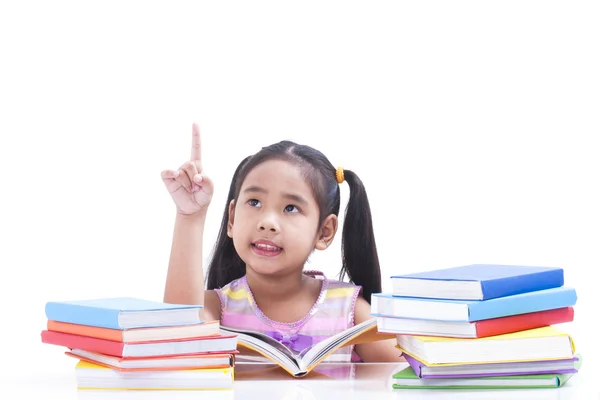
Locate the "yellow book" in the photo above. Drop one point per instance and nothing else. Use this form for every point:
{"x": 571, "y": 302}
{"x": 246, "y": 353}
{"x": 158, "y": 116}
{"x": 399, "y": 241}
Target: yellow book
{"x": 546, "y": 343}
{"x": 96, "y": 377}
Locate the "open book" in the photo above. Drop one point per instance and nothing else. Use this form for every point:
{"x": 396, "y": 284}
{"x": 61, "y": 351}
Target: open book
{"x": 298, "y": 365}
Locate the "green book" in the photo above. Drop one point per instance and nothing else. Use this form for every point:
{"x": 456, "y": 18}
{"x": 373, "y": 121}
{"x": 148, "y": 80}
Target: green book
{"x": 407, "y": 379}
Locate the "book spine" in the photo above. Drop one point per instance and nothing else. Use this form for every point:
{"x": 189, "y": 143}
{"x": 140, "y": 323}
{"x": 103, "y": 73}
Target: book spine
{"x": 415, "y": 364}
{"x": 522, "y": 284}
{"x": 83, "y": 315}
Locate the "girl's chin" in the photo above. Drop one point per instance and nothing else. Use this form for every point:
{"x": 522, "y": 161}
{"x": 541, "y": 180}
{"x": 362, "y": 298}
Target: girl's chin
{"x": 268, "y": 268}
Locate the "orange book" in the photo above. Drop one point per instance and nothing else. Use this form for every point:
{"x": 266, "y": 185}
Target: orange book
{"x": 138, "y": 335}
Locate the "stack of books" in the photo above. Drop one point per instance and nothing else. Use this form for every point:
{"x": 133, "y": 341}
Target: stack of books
{"x": 130, "y": 343}
{"x": 481, "y": 326}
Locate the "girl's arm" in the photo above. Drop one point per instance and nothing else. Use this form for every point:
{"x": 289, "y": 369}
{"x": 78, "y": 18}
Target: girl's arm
{"x": 380, "y": 351}
{"x": 185, "y": 276}
{"x": 191, "y": 191}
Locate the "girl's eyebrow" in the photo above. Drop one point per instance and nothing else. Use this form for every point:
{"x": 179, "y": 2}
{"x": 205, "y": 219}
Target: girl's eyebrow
{"x": 295, "y": 198}
{"x": 255, "y": 189}
{"x": 292, "y": 196}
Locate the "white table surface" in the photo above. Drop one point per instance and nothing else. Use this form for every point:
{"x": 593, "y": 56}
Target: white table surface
{"x": 267, "y": 382}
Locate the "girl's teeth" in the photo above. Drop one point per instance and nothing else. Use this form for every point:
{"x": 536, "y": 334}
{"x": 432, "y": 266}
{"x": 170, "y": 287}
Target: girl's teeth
{"x": 266, "y": 246}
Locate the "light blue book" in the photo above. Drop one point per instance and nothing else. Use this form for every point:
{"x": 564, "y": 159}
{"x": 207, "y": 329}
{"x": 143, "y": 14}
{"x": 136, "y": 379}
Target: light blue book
{"x": 388, "y": 305}
{"x": 123, "y": 313}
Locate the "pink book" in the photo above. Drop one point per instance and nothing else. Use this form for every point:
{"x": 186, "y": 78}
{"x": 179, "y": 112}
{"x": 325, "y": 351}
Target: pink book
{"x": 207, "y": 344}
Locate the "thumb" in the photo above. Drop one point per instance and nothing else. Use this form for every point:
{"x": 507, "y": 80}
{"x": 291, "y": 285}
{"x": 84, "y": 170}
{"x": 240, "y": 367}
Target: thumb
{"x": 206, "y": 185}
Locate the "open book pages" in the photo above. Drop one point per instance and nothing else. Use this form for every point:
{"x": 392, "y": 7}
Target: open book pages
{"x": 299, "y": 364}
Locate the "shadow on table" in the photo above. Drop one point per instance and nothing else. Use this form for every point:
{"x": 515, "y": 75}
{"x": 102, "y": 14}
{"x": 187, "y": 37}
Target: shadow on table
{"x": 325, "y": 371}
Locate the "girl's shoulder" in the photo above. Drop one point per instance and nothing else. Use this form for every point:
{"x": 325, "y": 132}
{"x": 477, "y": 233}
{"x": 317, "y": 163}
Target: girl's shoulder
{"x": 332, "y": 284}
{"x": 233, "y": 288}
{"x": 343, "y": 294}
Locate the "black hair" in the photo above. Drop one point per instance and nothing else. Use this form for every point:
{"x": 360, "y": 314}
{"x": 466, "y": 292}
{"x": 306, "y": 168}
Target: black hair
{"x": 359, "y": 252}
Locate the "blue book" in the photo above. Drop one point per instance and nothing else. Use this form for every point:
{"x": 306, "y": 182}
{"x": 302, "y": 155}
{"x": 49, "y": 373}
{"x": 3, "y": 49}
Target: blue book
{"x": 388, "y": 305}
{"x": 477, "y": 281}
{"x": 123, "y": 313}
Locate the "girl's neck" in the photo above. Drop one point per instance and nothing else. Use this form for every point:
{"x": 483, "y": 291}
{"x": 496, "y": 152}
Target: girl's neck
{"x": 276, "y": 289}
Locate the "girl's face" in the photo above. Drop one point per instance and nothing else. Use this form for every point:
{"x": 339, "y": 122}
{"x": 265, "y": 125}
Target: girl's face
{"x": 274, "y": 224}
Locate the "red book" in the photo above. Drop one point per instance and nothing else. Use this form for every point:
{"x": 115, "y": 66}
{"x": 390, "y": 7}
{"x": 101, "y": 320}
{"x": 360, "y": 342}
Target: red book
{"x": 477, "y": 329}
{"x": 521, "y": 322}
{"x": 165, "y": 348}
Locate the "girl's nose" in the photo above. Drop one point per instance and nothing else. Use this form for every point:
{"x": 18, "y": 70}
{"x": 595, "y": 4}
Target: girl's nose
{"x": 268, "y": 223}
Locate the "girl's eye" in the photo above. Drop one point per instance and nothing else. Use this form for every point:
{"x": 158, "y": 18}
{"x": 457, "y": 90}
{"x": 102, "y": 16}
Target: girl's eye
{"x": 290, "y": 208}
{"x": 254, "y": 203}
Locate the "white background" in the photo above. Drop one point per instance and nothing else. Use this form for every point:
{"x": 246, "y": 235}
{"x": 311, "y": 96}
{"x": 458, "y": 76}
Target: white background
{"x": 473, "y": 125}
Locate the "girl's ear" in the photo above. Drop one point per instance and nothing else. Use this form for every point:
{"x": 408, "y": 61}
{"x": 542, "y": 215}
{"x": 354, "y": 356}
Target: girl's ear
{"x": 231, "y": 215}
{"x": 327, "y": 232}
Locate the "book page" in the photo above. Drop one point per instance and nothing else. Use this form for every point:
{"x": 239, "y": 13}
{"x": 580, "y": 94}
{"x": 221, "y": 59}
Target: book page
{"x": 322, "y": 349}
{"x": 268, "y": 347}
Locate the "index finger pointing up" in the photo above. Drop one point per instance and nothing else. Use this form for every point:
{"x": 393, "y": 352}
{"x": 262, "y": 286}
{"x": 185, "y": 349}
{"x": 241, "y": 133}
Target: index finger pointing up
{"x": 196, "y": 156}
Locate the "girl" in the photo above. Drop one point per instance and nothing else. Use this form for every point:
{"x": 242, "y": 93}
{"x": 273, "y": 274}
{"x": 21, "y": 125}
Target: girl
{"x": 283, "y": 203}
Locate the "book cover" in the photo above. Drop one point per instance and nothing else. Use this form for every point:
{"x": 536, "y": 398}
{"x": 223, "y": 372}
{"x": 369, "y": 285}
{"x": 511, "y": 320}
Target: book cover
{"x": 207, "y": 328}
{"x": 388, "y": 305}
{"x": 477, "y": 281}
{"x": 524, "y": 322}
{"x": 407, "y": 379}
{"x": 122, "y": 313}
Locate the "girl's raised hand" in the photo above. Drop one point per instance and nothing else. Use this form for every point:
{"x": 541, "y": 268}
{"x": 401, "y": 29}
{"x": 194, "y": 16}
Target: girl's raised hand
{"x": 190, "y": 189}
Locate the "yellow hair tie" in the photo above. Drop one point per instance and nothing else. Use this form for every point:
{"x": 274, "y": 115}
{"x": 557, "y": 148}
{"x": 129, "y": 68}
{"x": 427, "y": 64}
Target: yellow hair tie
{"x": 339, "y": 174}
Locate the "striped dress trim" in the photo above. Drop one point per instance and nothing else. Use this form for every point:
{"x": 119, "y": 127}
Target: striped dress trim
{"x": 332, "y": 312}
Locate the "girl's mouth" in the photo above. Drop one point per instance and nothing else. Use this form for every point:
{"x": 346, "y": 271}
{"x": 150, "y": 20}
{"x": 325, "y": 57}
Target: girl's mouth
{"x": 264, "y": 249}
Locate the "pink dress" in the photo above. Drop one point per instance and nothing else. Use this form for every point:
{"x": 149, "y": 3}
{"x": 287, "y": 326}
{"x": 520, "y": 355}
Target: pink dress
{"x": 332, "y": 313}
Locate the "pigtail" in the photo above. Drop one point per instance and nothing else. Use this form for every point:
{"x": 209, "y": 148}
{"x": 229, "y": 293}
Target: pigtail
{"x": 359, "y": 252}
{"x": 225, "y": 264}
